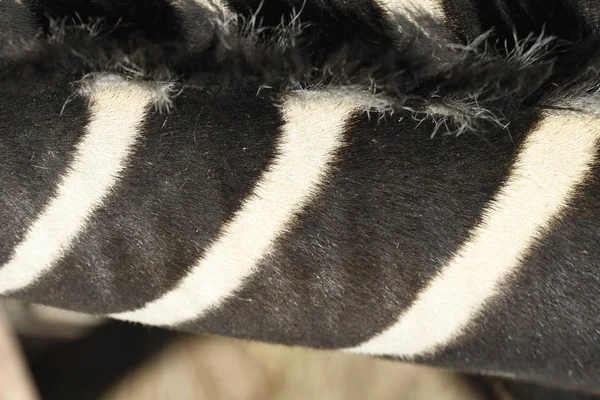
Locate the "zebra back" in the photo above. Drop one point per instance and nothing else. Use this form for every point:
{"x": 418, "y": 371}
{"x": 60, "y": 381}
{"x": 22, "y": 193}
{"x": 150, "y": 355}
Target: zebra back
{"x": 375, "y": 177}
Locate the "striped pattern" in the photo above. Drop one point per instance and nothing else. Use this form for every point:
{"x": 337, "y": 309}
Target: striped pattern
{"x": 304, "y": 220}
{"x": 550, "y": 167}
{"x": 310, "y": 137}
{"x": 117, "y": 110}
{"x": 544, "y": 179}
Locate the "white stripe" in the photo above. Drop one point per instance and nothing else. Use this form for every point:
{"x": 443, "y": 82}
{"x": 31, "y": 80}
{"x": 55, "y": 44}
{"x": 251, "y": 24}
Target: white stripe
{"x": 411, "y": 8}
{"x": 218, "y": 7}
{"x": 313, "y": 131}
{"x": 117, "y": 109}
{"x": 555, "y": 159}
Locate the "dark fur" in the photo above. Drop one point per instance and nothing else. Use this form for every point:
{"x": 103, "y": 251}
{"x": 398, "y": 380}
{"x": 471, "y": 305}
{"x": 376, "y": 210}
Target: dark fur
{"x": 385, "y": 209}
{"x": 552, "y": 305}
{"x": 35, "y": 149}
{"x": 395, "y": 208}
{"x": 189, "y": 175}
{"x": 327, "y": 46}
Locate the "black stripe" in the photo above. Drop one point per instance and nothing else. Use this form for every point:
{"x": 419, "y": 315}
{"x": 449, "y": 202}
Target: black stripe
{"x": 336, "y": 21}
{"x": 559, "y": 18}
{"x": 153, "y": 19}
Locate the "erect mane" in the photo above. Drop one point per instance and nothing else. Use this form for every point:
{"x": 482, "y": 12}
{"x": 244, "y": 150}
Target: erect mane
{"x": 408, "y": 65}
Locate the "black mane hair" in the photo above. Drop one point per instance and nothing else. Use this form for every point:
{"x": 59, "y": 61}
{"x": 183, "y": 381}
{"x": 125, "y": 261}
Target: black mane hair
{"x": 305, "y": 47}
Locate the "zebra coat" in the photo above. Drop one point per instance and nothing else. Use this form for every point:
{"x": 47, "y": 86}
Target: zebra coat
{"x": 415, "y": 180}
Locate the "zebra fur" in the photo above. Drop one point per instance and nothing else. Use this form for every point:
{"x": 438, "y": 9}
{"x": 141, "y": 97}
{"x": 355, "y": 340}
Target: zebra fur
{"x": 290, "y": 214}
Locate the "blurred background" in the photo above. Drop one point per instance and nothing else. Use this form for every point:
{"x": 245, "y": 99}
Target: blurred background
{"x": 53, "y": 354}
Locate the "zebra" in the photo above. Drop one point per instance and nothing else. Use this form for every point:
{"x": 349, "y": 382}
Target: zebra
{"x": 414, "y": 180}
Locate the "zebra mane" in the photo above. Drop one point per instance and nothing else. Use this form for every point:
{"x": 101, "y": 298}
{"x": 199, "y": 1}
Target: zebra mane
{"x": 459, "y": 86}
{"x": 264, "y": 204}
